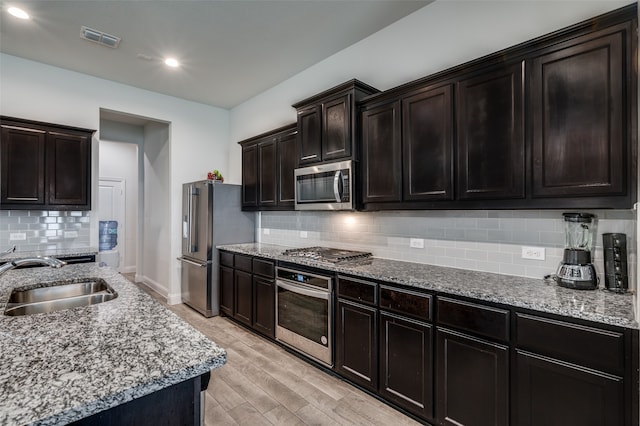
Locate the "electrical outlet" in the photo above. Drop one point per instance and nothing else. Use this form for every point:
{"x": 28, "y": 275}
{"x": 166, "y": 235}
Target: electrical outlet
{"x": 535, "y": 253}
{"x": 266, "y": 231}
{"x": 416, "y": 242}
{"x": 71, "y": 234}
{"x": 303, "y": 234}
{"x": 17, "y": 236}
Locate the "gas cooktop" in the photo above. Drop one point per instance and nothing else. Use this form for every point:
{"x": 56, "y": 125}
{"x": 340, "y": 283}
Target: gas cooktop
{"x": 326, "y": 254}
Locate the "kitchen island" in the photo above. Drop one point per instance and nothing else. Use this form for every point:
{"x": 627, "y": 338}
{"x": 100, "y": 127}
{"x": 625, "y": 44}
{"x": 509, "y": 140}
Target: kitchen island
{"x": 66, "y": 366}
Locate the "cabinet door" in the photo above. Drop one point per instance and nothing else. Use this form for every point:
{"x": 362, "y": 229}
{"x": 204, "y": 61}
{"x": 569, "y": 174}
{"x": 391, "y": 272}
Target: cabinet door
{"x": 406, "y": 371}
{"x": 250, "y": 175}
{"x": 578, "y": 106}
{"x": 427, "y": 145}
{"x": 381, "y": 154}
{"x": 287, "y": 162}
{"x": 68, "y": 174}
{"x": 264, "y": 303}
{"x": 227, "y": 293}
{"x": 23, "y": 167}
{"x": 310, "y": 135}
{"x": 472, "y": 381}
{"x": 490, "y": 135}
{"x": 267, "y": 173}
{"x": 357, "y": 344}
{"x": 243, "y": 303}
{"x": 336, "y": 128}
{"x": 554, "y": 393}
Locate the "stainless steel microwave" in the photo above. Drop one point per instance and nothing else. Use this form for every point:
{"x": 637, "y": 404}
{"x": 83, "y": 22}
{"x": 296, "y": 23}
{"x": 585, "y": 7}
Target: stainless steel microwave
{"x": 325, "y": 187}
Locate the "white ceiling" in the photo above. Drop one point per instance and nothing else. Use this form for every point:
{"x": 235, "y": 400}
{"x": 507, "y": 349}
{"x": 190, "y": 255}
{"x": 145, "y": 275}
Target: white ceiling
{"x": 231, "y": 50}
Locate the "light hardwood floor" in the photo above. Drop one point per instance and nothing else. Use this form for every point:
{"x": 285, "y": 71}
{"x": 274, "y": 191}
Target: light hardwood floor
{"x": 262, "y": 384}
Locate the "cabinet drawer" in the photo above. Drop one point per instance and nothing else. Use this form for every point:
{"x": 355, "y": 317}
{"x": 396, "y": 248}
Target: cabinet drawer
{"x": 226, "y": 259}
{"x": 263, "y": 267}
{"x": 354, "y": 289}
{"x": 578, "y": 344}
{"x": 478, "y": 319}
{"x": 406, "y": 302}
{"x": 243, "y": 262}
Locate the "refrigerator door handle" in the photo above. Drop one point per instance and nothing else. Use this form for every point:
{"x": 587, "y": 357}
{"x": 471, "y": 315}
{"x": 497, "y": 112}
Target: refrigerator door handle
{"x": 193, "y": 219}
{"x": 202, "y": 265}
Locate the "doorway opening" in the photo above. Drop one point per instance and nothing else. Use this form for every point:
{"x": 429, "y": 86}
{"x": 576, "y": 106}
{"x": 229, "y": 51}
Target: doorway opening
{"x": 134, "y": 170}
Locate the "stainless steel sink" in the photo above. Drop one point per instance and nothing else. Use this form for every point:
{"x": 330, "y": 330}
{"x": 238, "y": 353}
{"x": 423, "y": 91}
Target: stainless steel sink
{"x": 63, "y": 295}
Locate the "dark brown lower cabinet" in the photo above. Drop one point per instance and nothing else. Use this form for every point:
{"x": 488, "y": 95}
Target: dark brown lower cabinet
{"x": 264, "y": 305}
{"x": 406, "y": 368}
{"x": 555, "y": 393}
{"x": 472, "y": 380}
{"x": 227, "y": 293}
{"x": 357, "y": 343}
{"x": 243, "y": 302}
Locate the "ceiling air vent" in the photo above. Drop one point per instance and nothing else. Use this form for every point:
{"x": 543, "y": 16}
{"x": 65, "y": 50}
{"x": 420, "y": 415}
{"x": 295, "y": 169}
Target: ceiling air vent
{"x": 99, "y": 37}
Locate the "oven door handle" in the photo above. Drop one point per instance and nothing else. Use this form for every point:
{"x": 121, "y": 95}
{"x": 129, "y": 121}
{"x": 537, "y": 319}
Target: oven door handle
{"x": 304, "y": 291}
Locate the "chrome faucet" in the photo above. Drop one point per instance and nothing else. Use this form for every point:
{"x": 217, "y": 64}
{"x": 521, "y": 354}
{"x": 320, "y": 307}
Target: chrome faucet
{"x": 8, "y": 251}
{"x": 50, "y": 261}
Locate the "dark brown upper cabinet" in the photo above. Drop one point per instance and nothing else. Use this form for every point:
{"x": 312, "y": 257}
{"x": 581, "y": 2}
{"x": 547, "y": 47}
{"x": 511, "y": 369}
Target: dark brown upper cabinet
{"x": 287, "y": 161}
{"x": 491, "y": 146}
{"x": 44, "y": 166}
{"x": 580, "y": 114}
{"x": 327, "y": 125}
{"x": 250, "y": 175}
{"x": 381, "y": 153}
{"x": 407, "y": 147}
{"x": 427, "y": 137}
{"x": 268, "y": 161}
{"x": 549, "y": 123}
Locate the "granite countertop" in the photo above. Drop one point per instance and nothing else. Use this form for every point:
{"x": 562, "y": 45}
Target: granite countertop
{"x": 539, "y": 295}
{"x": 62, "y": 366}
{"x": 77, "y": 251}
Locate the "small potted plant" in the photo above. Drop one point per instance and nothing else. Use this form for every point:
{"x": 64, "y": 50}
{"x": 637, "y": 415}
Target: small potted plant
{"x": 215, "y": 175}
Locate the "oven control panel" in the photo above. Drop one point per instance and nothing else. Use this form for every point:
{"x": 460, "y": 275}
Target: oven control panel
{"x": 305, "y": 278}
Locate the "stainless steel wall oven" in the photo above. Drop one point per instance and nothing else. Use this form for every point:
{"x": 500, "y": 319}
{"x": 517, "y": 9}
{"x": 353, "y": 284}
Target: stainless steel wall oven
{"x": 304, "y": 313}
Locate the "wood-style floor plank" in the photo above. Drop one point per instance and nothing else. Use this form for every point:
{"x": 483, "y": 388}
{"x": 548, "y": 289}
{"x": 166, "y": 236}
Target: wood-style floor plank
{"x": 264, "y": 384}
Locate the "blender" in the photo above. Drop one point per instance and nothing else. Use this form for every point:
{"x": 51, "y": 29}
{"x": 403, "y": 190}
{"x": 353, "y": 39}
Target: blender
{"x": 576, "y": 270}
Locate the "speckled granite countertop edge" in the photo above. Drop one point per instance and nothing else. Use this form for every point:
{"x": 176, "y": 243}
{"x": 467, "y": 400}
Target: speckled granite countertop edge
{"x": 518, "y": 292}
{"x": 66, "y": 252}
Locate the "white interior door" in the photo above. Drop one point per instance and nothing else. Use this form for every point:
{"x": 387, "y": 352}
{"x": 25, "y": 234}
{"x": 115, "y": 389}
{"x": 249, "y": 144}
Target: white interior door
{"x": 111, "y": 206}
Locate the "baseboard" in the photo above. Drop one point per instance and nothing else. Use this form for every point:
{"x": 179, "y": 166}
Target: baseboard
{"x": 128, "y": 269}
{"x": 154, "y": 285}
{"x": 174, "y": 299}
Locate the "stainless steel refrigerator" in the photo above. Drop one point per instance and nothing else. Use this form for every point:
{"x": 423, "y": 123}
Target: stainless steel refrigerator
{"x": 211, "y": 215}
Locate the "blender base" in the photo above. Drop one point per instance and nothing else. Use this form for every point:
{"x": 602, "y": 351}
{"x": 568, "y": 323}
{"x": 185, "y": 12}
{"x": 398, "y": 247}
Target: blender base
{"x": 579, "y": 277}
{"x": 576, "y": 284}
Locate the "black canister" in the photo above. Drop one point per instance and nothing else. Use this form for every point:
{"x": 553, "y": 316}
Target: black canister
{"x": 615, "y": 262}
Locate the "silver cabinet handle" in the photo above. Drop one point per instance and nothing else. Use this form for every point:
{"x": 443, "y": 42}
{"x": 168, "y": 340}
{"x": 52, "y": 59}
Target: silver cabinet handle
{"x": 308, "y": 157}
{"x": 304, "y": 291}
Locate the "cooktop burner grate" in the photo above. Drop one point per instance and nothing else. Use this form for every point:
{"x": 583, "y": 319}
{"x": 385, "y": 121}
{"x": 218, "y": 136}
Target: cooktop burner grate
{"x": 326, "y": 254}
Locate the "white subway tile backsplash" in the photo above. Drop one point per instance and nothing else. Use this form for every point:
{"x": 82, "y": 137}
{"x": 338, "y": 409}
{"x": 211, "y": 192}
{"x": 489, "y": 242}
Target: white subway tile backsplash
{"x": 44, "y": 229}
{"x": 480, "y": 240}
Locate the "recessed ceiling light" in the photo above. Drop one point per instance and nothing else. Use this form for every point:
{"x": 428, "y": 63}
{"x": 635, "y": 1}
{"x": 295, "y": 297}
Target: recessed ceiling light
{"x": 172, "y": 62}
{"x": 18, "y": 13}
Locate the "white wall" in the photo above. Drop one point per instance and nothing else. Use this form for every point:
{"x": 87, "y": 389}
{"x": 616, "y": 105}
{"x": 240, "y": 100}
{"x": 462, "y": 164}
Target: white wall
{"x": 199, "y": 133}
{"x": 438, "y": 36}
{"x": 156, "y": 260}
{"x": 120, "y": 160}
